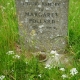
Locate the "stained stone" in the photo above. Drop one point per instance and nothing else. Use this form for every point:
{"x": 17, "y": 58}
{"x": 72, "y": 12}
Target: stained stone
{"x": 43, "y": 24}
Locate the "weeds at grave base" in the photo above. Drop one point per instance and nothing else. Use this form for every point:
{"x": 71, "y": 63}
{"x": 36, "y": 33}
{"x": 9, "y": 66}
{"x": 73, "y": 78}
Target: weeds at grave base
{"x": 23, "y": 69}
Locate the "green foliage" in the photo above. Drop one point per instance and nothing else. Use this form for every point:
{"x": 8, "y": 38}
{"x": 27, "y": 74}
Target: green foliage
{"x": 15, "y": 68}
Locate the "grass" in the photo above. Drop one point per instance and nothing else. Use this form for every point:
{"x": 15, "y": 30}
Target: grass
{"x": 20, "y": 68}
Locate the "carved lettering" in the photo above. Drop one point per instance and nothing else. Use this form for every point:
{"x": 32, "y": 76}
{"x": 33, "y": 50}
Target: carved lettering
{"x": 41, "y": 21}
{"x": 43, "y": 3}
{"x": 37, "y": 14}
{"x": 32, "y": 3}
{"x": 41, "y": 15}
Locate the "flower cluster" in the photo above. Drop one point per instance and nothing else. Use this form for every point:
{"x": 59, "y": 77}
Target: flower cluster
{"x": 39, "y": 75}
{"x": 54, "y": 53}
{"x": 73, "y": 71}
{"x": 10, "y": 52}
{"x": 64, "y": 76}
{"x": 62, "y": 69}
{"x": 2, "y": 77}
{"x": 16, "y": 56}
{"x": 48, "y": 66}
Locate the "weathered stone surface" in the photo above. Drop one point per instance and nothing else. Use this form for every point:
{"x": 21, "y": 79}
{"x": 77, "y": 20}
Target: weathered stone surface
{"x": 43, "y": 24}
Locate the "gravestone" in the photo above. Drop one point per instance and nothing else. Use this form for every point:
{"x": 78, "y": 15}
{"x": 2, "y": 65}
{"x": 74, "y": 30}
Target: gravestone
{"x": 43, "y": 24}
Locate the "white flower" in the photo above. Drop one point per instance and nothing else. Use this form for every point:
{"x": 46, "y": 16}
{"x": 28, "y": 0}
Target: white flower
{"x": 73, "y": 71}
{"x": 54, "y": 55}
{"x": 48, "y": 66}
{"x": 39, "y": 75}
{"x": 62, "y": 69}
{"x": 64, "y": 76}
{"x": 54, "y": 52}
{"x": 2, "y": 77}
{"x": 16, "y": 56}
{"x": 10, "y": 52}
